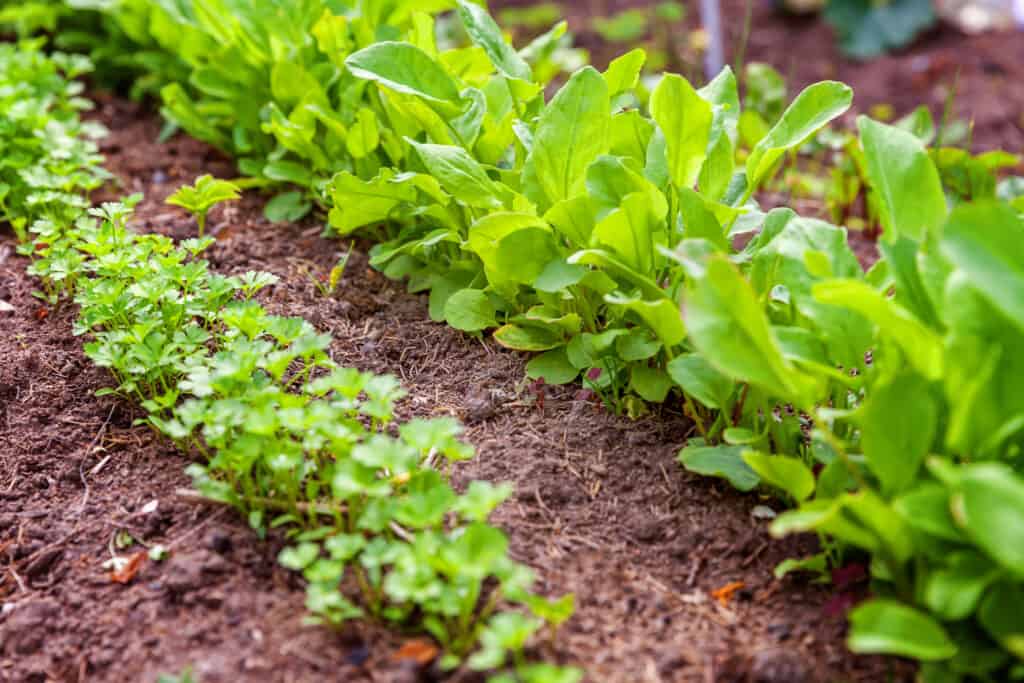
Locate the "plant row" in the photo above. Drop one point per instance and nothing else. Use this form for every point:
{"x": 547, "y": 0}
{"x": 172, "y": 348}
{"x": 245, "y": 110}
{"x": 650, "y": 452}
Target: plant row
{"x": 599, "y": 230}
{"x": 281, "y": 432}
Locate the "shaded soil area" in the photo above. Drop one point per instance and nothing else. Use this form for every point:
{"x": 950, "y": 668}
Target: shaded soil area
{"x": 987, "y": 70}
{"x": 602, "y": 509}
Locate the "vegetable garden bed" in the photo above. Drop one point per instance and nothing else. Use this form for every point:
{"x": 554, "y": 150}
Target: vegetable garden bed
{"x": 601, "y": 509}
{"x": 116, "y": 570}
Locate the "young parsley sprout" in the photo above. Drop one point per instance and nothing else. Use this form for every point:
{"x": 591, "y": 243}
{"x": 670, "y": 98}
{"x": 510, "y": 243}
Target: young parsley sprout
{"x": 206, "y": 193}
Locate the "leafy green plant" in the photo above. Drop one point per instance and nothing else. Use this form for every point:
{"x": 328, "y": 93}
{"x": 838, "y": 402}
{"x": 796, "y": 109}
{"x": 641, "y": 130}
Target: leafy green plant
{"x": 869, "y": 29}
{"x": 206, "y": 193}
{"x": 597, "y": 229}
{"x": 281, "y": 432}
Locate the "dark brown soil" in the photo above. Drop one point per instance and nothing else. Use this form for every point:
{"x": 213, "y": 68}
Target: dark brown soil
{"x": 988, "y": 69}
{"x": 602, "y": 509}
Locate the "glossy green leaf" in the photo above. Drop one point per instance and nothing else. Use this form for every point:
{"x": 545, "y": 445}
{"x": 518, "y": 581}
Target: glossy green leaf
{"x": 1000, "y": 615}
{"x": 571, "y": 133}
{"x": 483, "y": 31}
{"x": 725, "y": 462}
{"x": 651, "y": 384}
{"x": 623, "y": 72}
{"x": 514, "y": 247}
{"x": 789, "y": 474}
{"x": 813, "y": 108}
{"x": 469, "y": 310}
{"x": 699, "y": 379}
{"x": 728, "y": 327}
{"x": 921, "y": 345}
{"x": 989, "y": 506}
{"x": 528, "y": 338}
{"x": 661, "y": 315}
{"x": 405, "y": 68}
{"x": 984, "y": 240}
{"x": 553, "y": 367}
{"x": 685, "y": 120}
{"x": 898, "y": 424}
{"x": 911, "y": 201}
{"x": 287, "y": 206}
{"x": 889, "y": 627}
{"x": 954, "y": 590}
{"x": 460, "y": 175}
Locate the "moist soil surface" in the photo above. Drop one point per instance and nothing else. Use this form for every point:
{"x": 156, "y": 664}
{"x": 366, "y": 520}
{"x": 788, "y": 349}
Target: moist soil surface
{"x": 601, "y": 510}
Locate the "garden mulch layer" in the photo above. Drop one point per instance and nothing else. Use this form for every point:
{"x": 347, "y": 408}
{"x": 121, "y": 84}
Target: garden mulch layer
{"x": 601, "y": 510}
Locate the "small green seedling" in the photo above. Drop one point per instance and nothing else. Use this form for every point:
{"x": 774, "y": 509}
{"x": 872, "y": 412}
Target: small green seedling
{"x": 328, "y": 285}
{"x": 186, "y": 676}
{"x": 207, "y": 193}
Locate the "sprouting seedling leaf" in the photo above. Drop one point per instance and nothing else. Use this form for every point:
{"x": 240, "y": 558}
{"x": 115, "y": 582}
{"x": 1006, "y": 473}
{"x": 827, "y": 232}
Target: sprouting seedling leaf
{"x": 206, "y": 193}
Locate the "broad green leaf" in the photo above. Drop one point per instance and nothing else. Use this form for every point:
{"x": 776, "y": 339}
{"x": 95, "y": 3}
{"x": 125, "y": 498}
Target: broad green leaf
{"x": 574, "y": 219}
{"x": 926, "y": 509}
{"x": 406, "y": 69}
{"x": 954, "y": 590}
{"x": 1000, "y": 614}
{"x": 813, "y": 108}
{"x": 623, "y": 72}
{"x": 898, "y": 423}
{"x": 638, "y": 345}
{"x": 358, "y": 203}
{"x": 717, "y": 171}
{"x": 892, "y": 628}
{"x": 921, "y": 345}
{"x": 728, "y": 327}
{"x": 571, "y": 133}
{"x": 290, "y": 83}
{"x": 632, "y": 232}
{"x": 460, "y": 175}
{"x": 911, "y": 201}
{"x": 698, "y": 220}
{"x": 789, "y": 474}
{"x": 514, "y": 247}
{"x": 558, "y": 275}
{"x": 984, "y": 240}
{"x": 902, "y": 258}
{"x": 284, "y": 171}
{"x": 363, "y": 136}
{"x": 861, "y": 519}
{"x": 685, "y": 120}
{"x": 528, "y": 338}
{"x": 651, "y": 384}
{"x": 989, "y": 506}
{"x": 611, "y": 179}
{"x": 661, "y": 315}
{"x": 701, "y": 380}
{"x": 287, "y": 206}
{"x": 483, "y": 31}
{"x": 553, "y": 367}
{"x": 725, "y": 462}
{"x": 629, "y": 135}
{"x": 469, "y": 310}
{"x": 723, "y": 94}
{"x": 612, "y": 266}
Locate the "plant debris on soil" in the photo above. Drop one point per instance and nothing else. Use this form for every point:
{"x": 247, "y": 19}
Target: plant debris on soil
{"x": 602, "y": 509}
